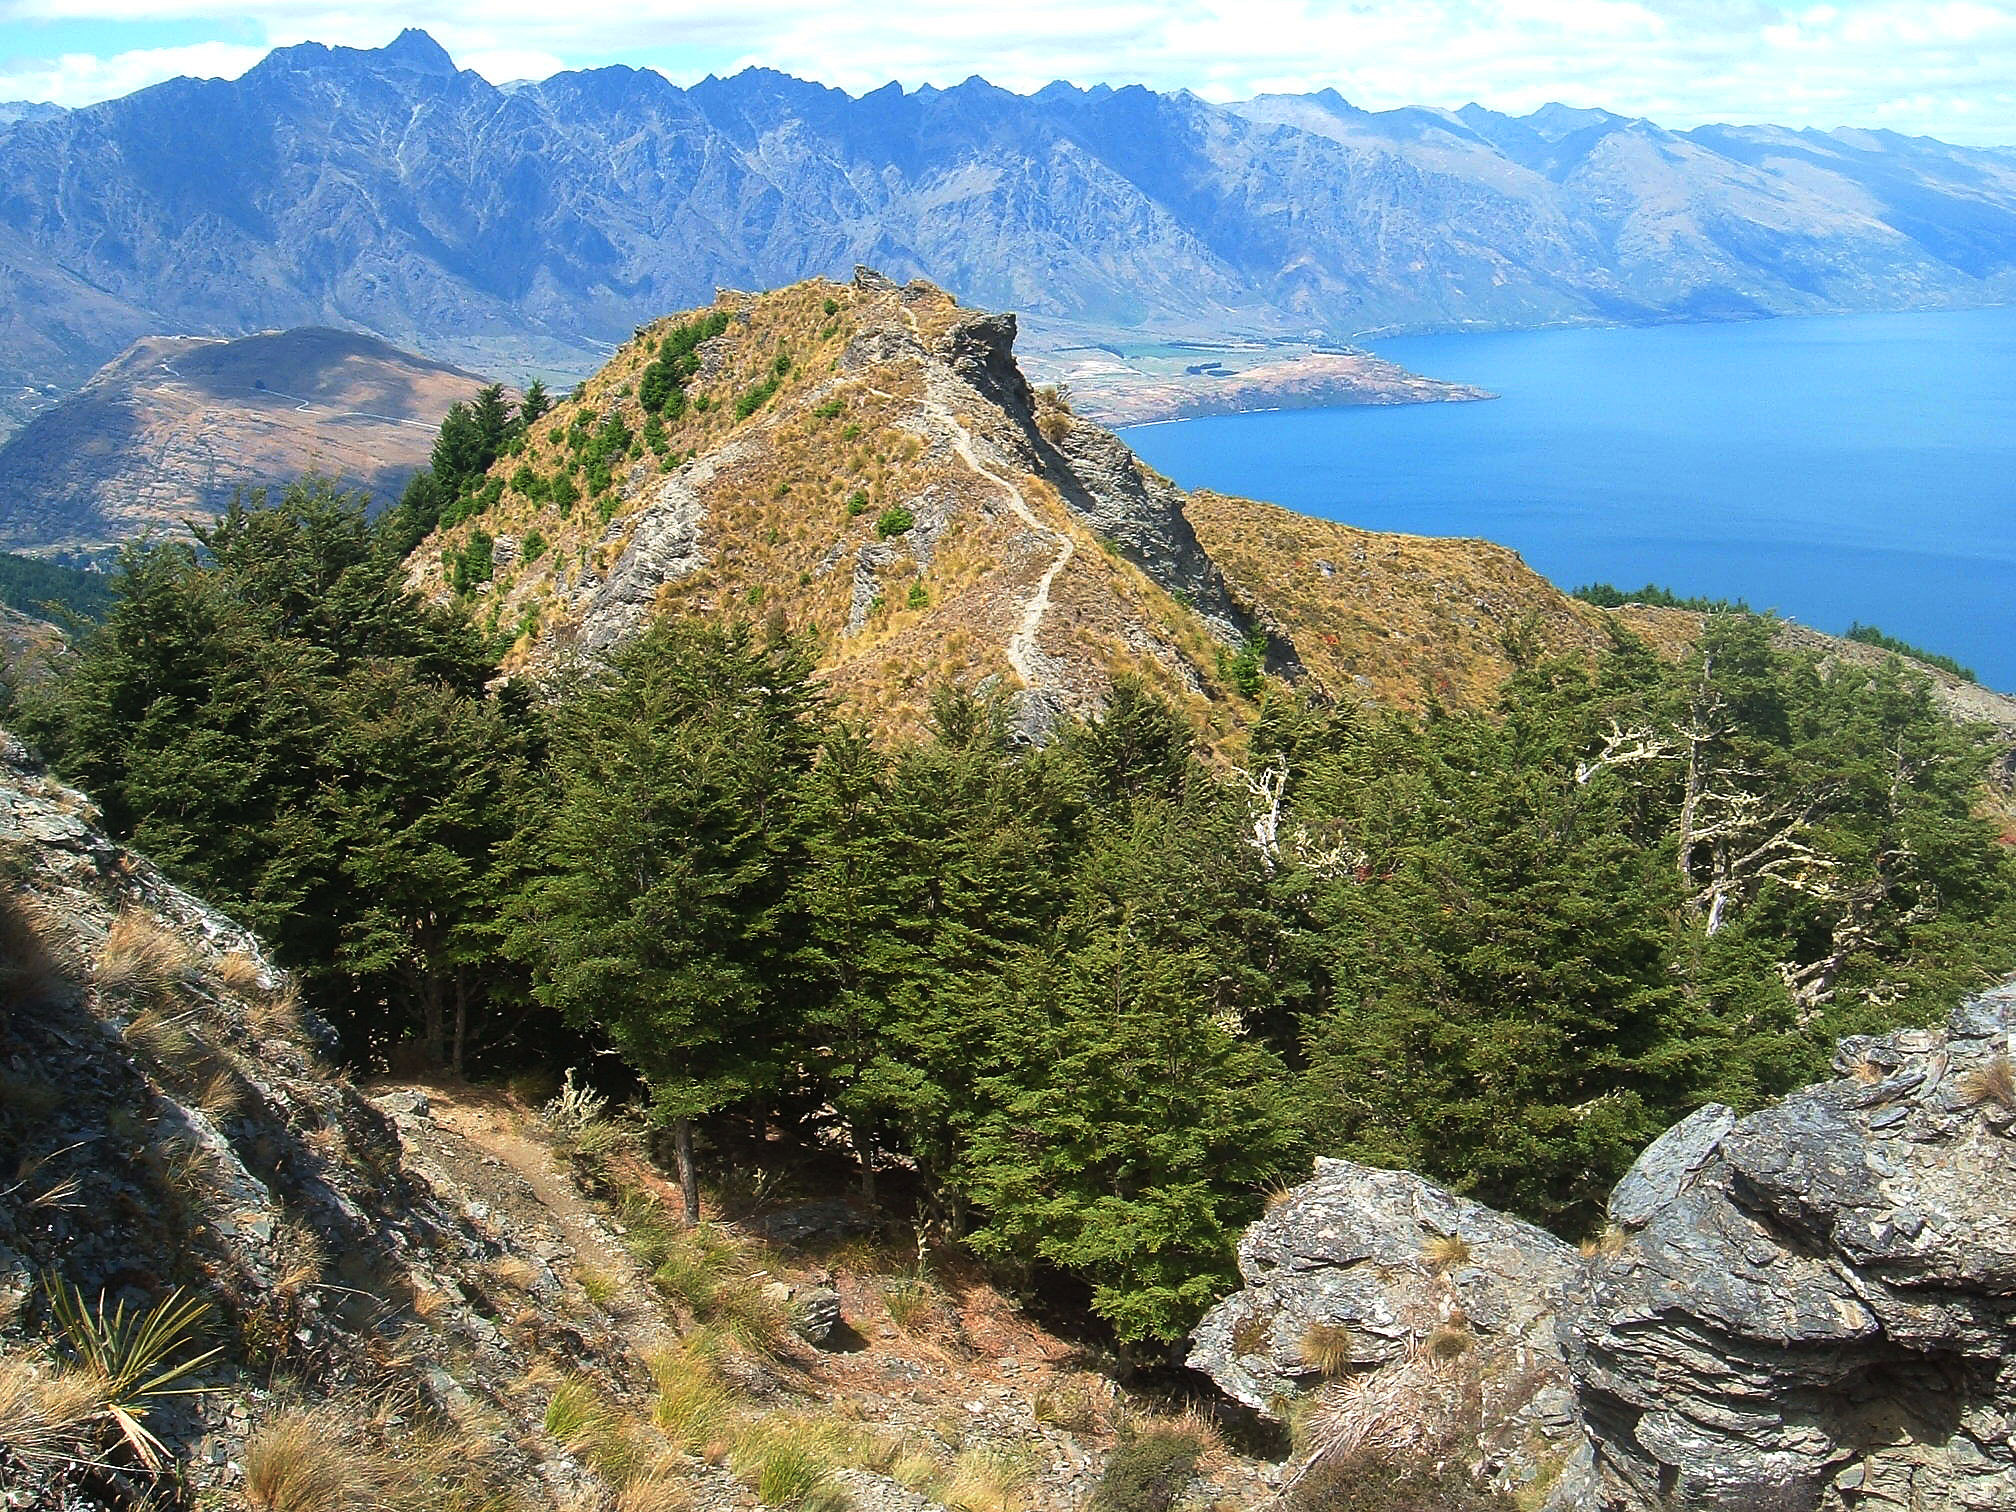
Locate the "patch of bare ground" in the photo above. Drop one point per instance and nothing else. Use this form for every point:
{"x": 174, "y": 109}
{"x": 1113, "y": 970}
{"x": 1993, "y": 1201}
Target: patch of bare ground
{"x": 934, "y": 1388}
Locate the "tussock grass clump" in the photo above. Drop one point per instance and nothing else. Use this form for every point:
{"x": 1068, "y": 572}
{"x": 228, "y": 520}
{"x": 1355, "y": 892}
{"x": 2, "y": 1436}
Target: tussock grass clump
{"x": 38, "y": 948}
{"x": 140, "y": 961}
{"x": 1327, "y": 1348}
{"x": 296, "y": 1463}
{"x": 278, "y": 1014}
{"x": 692, "y": 1410}
{"x": 1252, "y": 1333}
{"x": 1606, "y": 1242}
{"x": 911, "y": 1299}
{"x": 241, "y": 974}
{"x": 984, "y": 1480}
{"x": 1993, "y": 1081}
{"x": 1443, "y": 1253}
{"x": 46, "y": 1413}
{"x": 789, "y": 1463}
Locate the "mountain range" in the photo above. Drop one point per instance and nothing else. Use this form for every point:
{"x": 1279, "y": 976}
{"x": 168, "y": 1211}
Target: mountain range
{"x": 533, "y": 226}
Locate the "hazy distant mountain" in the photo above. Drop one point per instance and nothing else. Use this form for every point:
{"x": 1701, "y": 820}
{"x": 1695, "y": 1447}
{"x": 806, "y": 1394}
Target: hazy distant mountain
{"x": 174, "y": 425}
{"x": 388, "y": 191}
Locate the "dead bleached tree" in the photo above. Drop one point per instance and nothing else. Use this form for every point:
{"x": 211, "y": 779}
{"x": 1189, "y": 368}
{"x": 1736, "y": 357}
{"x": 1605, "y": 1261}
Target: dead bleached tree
{"x": 1266, "y": 790}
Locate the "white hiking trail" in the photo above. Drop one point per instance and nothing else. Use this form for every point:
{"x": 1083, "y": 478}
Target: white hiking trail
{"x": 1022, "y": 645}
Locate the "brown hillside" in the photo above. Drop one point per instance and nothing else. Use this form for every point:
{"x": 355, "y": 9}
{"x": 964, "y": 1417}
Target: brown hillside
{"x": 906, "y": 494}
{"x": 166, "y": 431}
{"x": 1402, "y": 620}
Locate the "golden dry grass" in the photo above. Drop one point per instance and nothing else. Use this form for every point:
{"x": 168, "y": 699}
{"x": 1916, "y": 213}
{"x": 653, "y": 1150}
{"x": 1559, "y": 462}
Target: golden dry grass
{"x": 1399, "y": 620}
{"x": 46, "y": 1411}
{"x": 1328, "y": 1348}
{"x": 140, "y": 959}
{"x": 1442, "y": 1253}
{"x": 1993, "y": 1081}
{"x": 241, "y": 974}
{"x": 296, "y": 1462}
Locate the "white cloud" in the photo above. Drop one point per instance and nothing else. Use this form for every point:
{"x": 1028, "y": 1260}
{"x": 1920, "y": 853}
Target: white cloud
{"x": 82, "y": 78}
{"x": 1938, "y": 66}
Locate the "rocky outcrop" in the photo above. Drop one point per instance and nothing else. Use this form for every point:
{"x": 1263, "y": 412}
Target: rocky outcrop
{"x": 1802, "y": 1310}
{"x": 168, "y": 1118}
{"x": 1358, "y": 1267}
{"x": 1811, "y": 1307}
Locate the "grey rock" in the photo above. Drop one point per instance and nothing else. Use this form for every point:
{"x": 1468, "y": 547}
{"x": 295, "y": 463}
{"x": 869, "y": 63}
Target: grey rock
{"x": 1668, "y": 1164}
{"x": 1803, "y": 1310}
{"x": 815, "y": 1313}
{"x": 1350, "y": 1249}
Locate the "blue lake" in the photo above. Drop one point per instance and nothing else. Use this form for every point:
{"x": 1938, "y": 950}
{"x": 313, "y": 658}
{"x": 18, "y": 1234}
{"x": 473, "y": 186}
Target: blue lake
{"x": 1833, "y": 469}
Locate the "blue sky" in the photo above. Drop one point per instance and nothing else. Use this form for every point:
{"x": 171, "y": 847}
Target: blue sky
{"x": 1941, "y": 67}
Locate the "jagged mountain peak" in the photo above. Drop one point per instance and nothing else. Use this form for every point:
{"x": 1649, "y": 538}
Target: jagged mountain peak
{"x": 417, "y": 50}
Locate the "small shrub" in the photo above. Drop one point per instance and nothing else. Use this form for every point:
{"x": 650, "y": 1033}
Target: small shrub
{"x": 857, "y": 503}
{"x": 535, "y": 547}
{"x": 893, "y": 521}
{"x": 830, "y": 410}
{"x": 599, "y": 1286}
{"x": 1147, "y": 1472}
{"x": 920, "y": 597}
{"x": 533, "y": 1088}
{"x": 830, "y": 307}
{"x": 1366, "y": 1483}
{"x": 1068, "y": 1404}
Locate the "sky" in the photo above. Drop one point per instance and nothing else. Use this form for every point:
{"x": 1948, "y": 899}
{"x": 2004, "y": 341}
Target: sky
{"x": 1943, "y": 68}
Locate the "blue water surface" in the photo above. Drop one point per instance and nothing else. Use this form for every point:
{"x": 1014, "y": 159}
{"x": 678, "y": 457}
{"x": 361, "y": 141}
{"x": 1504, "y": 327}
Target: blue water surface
{"x": 1835, "y": 469}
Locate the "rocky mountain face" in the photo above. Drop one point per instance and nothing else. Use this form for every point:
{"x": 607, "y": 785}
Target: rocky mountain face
{"x": 867, "y": 461}
{"x": 167, "y": 431}
{"x": 1802, "y": 1309}
{"x": 390, "y": 192}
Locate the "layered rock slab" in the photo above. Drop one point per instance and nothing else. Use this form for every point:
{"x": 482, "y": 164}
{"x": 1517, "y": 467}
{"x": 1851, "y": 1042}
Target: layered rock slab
{"x": 1807, "y": 1309}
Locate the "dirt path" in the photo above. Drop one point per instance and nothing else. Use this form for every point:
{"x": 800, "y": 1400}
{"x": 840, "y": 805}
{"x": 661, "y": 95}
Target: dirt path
{"x": 1022, "y": 647}
{"x": 479, "y": 1136}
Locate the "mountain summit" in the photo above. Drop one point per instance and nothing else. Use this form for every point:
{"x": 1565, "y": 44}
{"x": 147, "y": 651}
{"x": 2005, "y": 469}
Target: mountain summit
{"x": 867, "y": 461}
